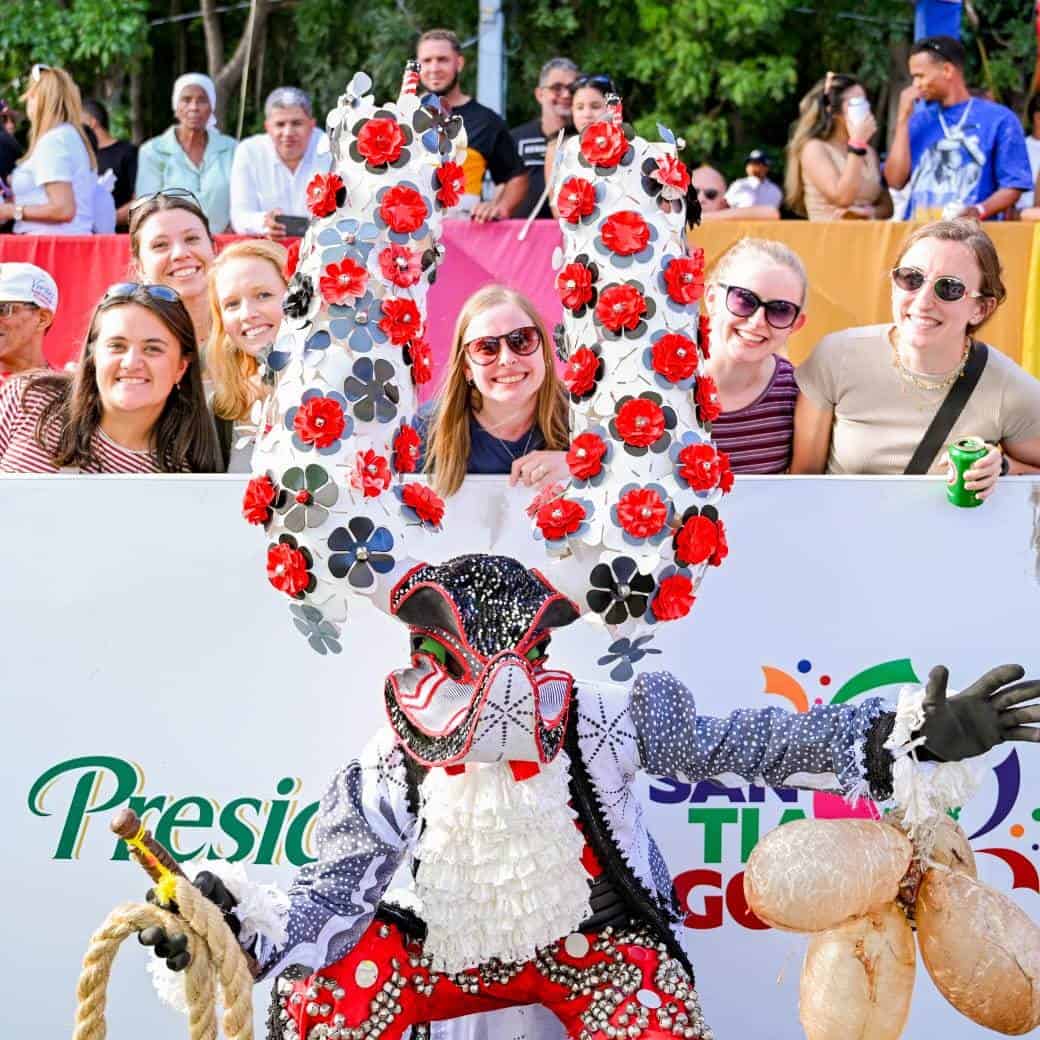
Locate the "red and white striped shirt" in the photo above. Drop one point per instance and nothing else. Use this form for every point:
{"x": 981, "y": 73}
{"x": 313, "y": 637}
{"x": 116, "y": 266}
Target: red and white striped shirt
{"x": 20, "y": 452}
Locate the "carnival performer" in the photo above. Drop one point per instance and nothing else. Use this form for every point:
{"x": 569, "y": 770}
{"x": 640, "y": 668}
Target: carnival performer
{"x": 502, "y": 408}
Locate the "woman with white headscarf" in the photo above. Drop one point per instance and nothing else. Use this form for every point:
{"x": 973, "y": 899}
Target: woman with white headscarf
{"x": 192, "y": 154}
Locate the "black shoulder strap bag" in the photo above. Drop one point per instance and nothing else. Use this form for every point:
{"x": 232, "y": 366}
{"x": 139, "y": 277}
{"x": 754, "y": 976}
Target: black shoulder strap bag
{"x": 949, "y": 412}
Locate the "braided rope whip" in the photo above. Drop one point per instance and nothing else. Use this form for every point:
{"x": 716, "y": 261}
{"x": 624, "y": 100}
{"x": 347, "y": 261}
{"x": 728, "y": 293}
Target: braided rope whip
{"x": 216, "y": 960}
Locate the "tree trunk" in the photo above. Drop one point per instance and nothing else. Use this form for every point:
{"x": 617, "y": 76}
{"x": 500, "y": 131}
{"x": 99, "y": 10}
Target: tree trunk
{"x": 137, "y": 102}
{"x": 227, "y": 75}
{"x": 898, "y": 78}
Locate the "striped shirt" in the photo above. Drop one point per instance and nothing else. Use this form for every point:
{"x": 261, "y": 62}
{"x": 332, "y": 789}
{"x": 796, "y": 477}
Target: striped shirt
{"x": 758, "y": 437}
{"x": 20, "y": 452}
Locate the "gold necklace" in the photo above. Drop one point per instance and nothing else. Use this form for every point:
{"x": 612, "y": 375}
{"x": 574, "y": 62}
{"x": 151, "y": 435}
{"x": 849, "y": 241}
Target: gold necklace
{"x": 921, "y": 384}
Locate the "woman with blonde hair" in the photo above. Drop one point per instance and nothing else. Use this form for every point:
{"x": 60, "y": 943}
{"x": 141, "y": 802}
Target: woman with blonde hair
{"x": 246, "y": 287}
{"x": 755, "y": 300}
{"x": 832, "y": 171}
{"x": 55, "y": 183}
{"x": 502, "y": 408}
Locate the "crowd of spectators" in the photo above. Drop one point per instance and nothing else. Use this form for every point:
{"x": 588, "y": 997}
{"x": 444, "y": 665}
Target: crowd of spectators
{"x": 168, "y": 377}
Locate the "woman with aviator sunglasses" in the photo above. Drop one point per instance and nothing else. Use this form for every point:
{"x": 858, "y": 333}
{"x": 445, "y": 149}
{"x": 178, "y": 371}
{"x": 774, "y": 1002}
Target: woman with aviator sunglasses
{"x": 755, "y": 299}
{"x": 134, "y": 405}
{"x": 502, "y": 408}
{"x": 869, "y": 394}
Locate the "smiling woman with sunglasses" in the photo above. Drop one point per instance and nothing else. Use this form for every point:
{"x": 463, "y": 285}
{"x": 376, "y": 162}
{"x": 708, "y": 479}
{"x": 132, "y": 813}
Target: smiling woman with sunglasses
{"x": 870, "y": 394}
{"x": 755, "y": 299}
{"x": 502, "y": 407}
{"x": 134, "y": 405}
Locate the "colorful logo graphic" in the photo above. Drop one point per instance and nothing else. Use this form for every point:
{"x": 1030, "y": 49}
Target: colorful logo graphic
{"x": 705, "y": 893}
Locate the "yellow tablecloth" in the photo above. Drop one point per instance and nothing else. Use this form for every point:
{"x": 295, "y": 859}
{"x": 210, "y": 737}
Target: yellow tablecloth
{"x": 848, "y": 264}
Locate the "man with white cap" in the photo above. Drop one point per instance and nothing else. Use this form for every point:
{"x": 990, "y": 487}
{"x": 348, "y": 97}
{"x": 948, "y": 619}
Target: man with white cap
{"x": 192, "y": 153}
{"x": 28, "y": 303}
{"x": 271, "y": 171}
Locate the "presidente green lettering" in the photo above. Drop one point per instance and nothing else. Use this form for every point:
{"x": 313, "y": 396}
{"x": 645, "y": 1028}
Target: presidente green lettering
{"x": 193, "y": 826}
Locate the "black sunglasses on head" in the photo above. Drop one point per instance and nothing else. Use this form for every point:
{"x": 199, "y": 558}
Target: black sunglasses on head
{"x": 169, "y": 193}
{"x": 742, "y": 303}
{"x": 125, "y": 290}
{"x": 600, "y": 82}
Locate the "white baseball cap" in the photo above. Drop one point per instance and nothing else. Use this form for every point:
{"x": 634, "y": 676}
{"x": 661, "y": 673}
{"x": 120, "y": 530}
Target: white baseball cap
{"x": 27, "y": 283}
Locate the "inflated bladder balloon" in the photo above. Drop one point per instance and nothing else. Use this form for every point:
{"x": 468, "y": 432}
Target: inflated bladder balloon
{"x": 810, "y": 875}
{"x": 858, "y": 979}
{"x": 981, "y": 950}
{"x": 949, "y": 844}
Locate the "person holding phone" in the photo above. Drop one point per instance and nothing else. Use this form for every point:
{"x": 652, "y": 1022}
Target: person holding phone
{"x": 271, "y": 171}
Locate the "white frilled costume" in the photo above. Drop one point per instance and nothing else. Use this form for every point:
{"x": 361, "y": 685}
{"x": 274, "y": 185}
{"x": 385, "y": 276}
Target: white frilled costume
{"x": 502, "y": 783}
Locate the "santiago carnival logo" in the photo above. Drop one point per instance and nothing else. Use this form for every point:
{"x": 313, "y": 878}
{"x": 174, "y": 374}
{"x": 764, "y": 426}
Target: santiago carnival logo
{"x": 278, "y": 830}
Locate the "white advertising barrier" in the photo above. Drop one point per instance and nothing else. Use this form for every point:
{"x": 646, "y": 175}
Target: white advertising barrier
{"x": 147, "y": 662}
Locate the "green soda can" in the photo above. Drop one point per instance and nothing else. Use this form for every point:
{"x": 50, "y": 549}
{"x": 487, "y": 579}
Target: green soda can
{"x": 963, "y": 455}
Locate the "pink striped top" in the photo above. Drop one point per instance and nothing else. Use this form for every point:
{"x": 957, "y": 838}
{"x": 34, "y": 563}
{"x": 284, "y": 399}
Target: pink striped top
{"x": 758, "y": 437}
{"x": 21, "y": 453}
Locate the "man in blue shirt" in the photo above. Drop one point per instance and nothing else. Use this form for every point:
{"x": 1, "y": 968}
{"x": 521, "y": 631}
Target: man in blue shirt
{"x": 963, "y": 156}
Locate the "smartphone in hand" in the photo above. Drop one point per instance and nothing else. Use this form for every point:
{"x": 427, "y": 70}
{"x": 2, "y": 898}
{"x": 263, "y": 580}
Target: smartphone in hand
{"x": 295, "y": 227}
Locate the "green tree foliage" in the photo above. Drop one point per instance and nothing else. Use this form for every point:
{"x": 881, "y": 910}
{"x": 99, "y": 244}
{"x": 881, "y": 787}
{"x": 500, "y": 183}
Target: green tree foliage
{"x": 726, "y": 75}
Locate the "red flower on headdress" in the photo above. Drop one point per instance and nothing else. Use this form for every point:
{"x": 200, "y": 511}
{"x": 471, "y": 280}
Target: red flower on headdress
{"x": 725, "y": 474}
{"x": 579, "y": 375}
{"x": 684, "y": 277}
{"x": 721, "y": 547}
{"x": 697, "y": 540}
{"x": 287, "y": 569}
{"x": 400, "y": 266}
{"x": 672, "y": 173}
{"x": 400, "y": 321}
{"x": 559, "y": 518}
{"x": 604, "y": 144}
{"x": 371, "y": 474}
{"x": 428, "y": 506}
{"x": 574, "y": 285}
{"x": 704, "y": 334}
{"x": 625, "y": 233}
{"x": 319, "y": 421}
{"x": 403, "y": 209}
{"x": 422, "y": 361}
{"x": 709, "y": 408}
{"x": 620, "y": 307}
{"x": 292, "y": 258}
{"x": 407, "y": 445}
{"x": 577, "y": 199}
{"x": 674, "y": 357}
{"x": 258, "y": 499}
{"x": 452, "y": 180}
{"x": 585, "y": 455}
{"x": 640, "y": 422}
{"x": 380, "y": 141}
{"x": 674, "y": 598}
{"x": 344, "y": 282}
{"x": 700, "y": 466}
{"x": 323, "y": 193}
{"x": 641, "y": 512}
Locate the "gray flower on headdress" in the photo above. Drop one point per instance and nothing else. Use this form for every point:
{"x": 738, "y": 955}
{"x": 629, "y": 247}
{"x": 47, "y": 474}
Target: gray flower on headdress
{"x": 309, "y": 493}
{"x": 626, "y": 652}
{"x": 372, "y": 390}
{"x": 322, "y": 635}
{"x": 358, "y": 325}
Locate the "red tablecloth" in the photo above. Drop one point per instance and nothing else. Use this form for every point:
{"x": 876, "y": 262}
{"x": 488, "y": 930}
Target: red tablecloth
{"x": 84, "y": 266}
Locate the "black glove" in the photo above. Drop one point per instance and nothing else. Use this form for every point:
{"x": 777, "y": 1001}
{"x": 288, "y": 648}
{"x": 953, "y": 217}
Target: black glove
{"x": 980, "y": 717}
{"x": 173, "y": 946}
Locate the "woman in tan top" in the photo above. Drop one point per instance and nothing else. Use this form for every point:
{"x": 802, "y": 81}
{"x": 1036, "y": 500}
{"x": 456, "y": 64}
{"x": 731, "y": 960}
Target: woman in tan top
{"x": 832, "y": 172}
{"x": 869, "y": 394}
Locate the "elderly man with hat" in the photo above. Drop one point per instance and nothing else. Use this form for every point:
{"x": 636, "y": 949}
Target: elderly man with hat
{"x": 28, "y": 303}
{"x": 756, "y": 189}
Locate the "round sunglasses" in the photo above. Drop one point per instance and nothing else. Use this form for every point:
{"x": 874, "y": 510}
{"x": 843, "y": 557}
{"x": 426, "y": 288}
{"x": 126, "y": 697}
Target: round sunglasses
{"x": 742, "y": 303}
{"x": 124, "y": 290}
{"x": 523, "y": 342}
{"x": 946, "y": 287}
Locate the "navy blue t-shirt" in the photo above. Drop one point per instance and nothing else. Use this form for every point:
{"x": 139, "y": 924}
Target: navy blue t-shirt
{"x": 487, "y": 453}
